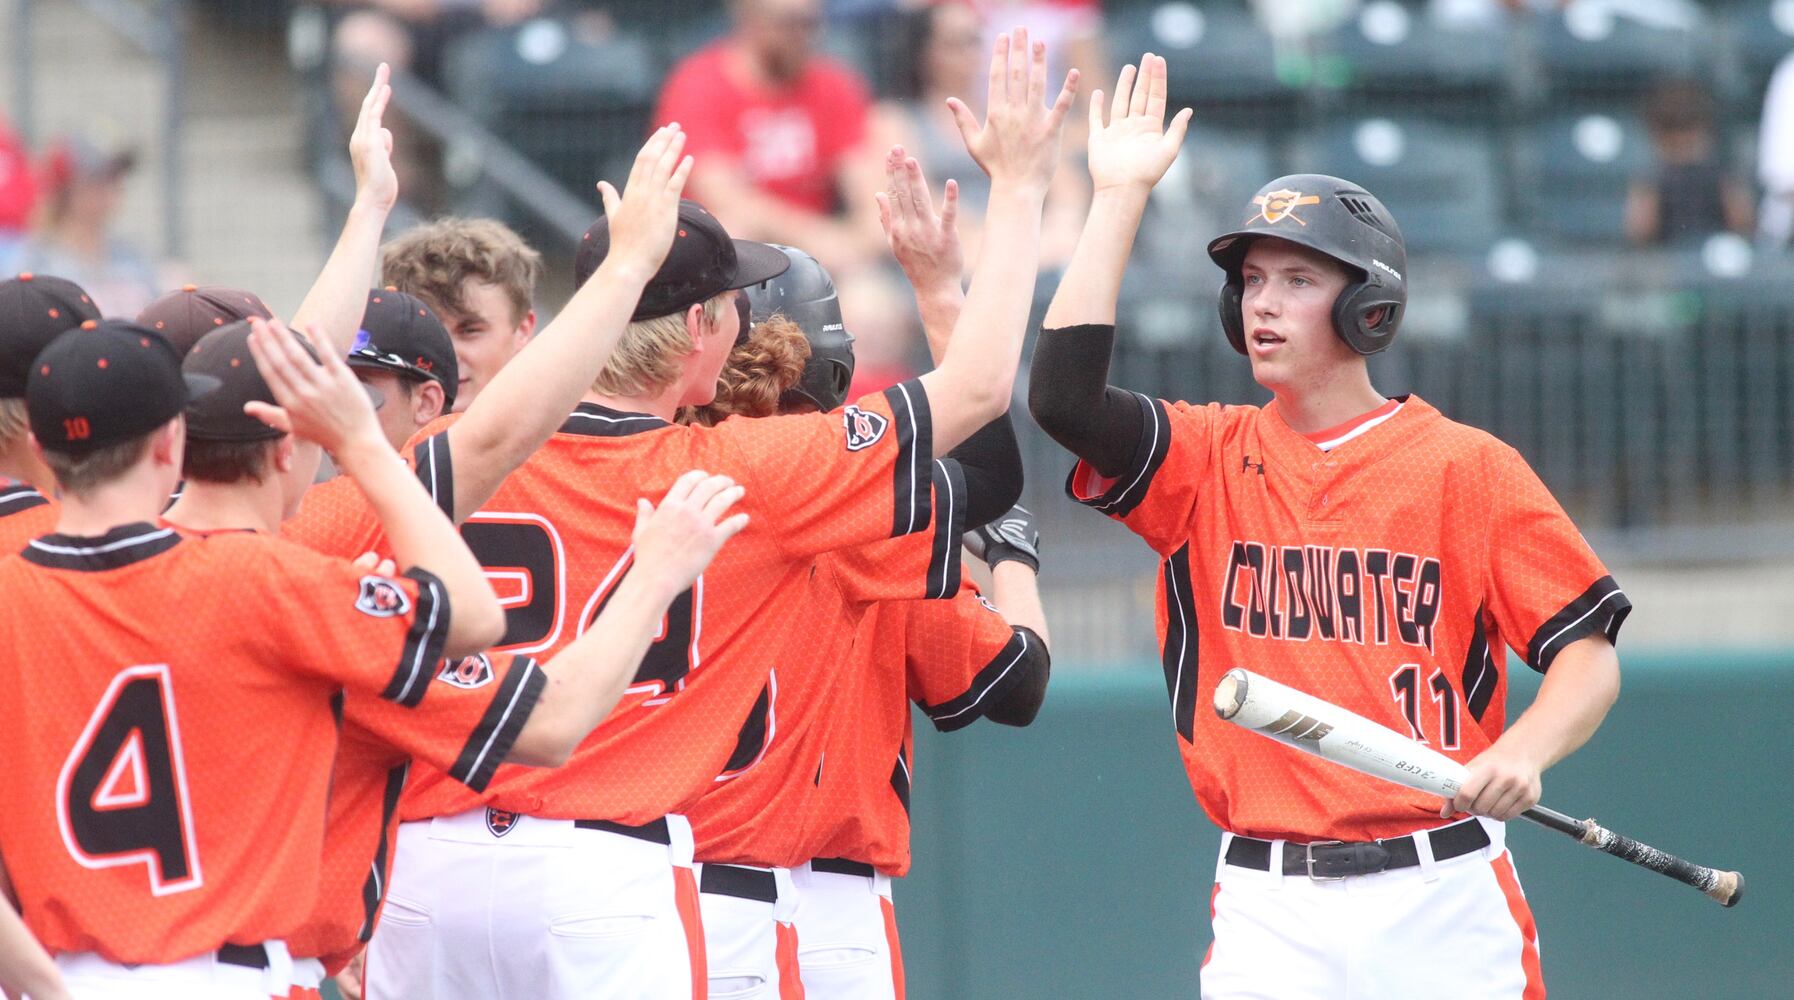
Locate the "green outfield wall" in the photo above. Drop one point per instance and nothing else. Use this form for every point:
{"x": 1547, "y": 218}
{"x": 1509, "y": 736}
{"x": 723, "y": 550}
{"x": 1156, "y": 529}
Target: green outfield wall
{"x": 1069, "y": 860}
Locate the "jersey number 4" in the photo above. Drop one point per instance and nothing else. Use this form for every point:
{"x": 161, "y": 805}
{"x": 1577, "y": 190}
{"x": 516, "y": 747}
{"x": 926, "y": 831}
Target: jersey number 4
{"x": 526, "y": 564}
{"x": 122, "y": 796}
{"x": 1405, "y": 685}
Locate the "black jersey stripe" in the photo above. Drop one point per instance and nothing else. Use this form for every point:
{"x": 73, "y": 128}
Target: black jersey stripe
{"x": 1603, "y": 607}
{"x": 1179, "y": 653}
{"x": 374, "y": 889}
{"x": 913, "y": 423}
{"x": 992, "y": 682}
{"x": 1480, "y": 676}
{"x": 423, "y": 643}
{"x": 506, "y": 715}
{"x": 435, "y": 468}
{"x": 950, "y": 497}
{"x": 1129, "y": 488}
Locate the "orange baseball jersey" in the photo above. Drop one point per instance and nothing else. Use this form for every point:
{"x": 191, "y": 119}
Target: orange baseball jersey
{"x": 1385, "y": 575}
{"x": 555, "y": 540}
{"x": 758, "y": 813}
{"x": 167, "y": 771}
{"x": 24, "y": 514}
{"x": 336, "y": 519}
{"x": 465, "y": 727}
{"x": 953, "y": 659}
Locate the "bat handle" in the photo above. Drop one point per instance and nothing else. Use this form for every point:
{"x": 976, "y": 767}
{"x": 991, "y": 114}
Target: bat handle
{"x": 1723, "y": 887}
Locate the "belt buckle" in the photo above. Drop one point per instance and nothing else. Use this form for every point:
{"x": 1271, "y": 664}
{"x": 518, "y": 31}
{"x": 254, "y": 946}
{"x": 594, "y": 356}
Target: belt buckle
{"x": 1308, "y": 857}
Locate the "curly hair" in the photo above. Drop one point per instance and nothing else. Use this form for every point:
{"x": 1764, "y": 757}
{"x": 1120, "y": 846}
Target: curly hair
{"x": 435, "y": 261}
{"x": 757, "y": 374}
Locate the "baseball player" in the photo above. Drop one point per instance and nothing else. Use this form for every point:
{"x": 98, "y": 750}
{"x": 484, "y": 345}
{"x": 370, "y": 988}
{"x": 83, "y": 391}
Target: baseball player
{"x": 1363, "y": 548}
{"x": 601, "y": 898}
{"x": 158, "y": 846}
{"x": 485, "y": 708}
{"x": 191, "y": 311}
{"x": 34, "y": 310}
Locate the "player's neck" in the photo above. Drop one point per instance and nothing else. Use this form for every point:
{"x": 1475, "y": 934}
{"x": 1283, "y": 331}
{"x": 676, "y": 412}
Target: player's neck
{"x": 227, "y": 507}
{"x": 138, "y": 496}
{"x": 1313, "y": 408}
{"x": 664, "y": 405}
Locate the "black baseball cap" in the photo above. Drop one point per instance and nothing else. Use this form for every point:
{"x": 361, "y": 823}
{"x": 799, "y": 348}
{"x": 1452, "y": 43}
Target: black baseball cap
{"x": 703, "y": 262}
{"x": 35, "y": 309}
{"x": 192, "y": 311}
{"x": 399, "y": 333}
{"x": 223, "y": 356}
{"x": 105, "y": 383}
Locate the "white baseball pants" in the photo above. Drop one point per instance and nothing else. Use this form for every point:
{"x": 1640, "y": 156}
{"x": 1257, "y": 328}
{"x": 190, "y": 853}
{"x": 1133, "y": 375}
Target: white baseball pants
{"x": 90, "y": 977}
{"x": 750, "y": 942}
{"x": 1459, "y": 928}
{"x": 518, "y": 907}
{"x": 847, "y": 946}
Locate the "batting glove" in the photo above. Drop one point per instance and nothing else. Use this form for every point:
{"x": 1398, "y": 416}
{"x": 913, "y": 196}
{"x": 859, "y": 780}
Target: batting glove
{"x": 1013, "y": 537}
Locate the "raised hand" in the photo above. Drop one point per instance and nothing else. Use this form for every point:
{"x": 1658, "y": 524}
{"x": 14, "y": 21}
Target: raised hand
{"x": 643, "y": 217}
{"x": 1014, "y": 537}
{"x": 319, "y": 399}
{"x": 676, "y": 541}
{"x": 370, "y": 148}
{"x": 1018, "y": 144}
{"x": 925, "y": 243}
{"x": 1135, "y": 148}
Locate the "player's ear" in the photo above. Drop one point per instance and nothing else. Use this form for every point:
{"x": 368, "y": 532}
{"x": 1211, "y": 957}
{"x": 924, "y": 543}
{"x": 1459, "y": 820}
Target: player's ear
{"x": 284, "y": 452}
{"x": 167, "y": 441}
{"x": 527, "y": 328}
{"x": 426, "y": 402}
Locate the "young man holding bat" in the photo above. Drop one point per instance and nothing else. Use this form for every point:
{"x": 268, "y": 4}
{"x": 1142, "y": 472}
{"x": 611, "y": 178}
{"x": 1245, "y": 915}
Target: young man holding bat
{"x": 1362, "y": 549}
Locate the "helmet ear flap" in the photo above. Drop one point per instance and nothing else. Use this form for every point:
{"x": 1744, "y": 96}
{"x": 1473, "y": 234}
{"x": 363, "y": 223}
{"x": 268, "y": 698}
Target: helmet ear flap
{"x": 1354, "y": 307}
{"x": 1231, "y": 301}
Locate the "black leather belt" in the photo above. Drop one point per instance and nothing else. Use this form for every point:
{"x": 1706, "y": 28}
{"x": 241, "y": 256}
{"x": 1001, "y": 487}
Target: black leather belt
{"x": 249, "y": 956}
{"x": 739, "y": 882}
{"x": 1332, "y": 859}
{"x": 842, "y": 866}
{"x": 653, "y": 833}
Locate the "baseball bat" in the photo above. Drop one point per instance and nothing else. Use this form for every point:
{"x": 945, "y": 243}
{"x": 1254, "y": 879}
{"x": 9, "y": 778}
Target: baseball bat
{"x": 1325, "y": 730}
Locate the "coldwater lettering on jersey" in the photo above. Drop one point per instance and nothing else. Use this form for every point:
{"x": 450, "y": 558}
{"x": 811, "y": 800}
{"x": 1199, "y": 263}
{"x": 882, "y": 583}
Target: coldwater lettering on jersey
{"x": 1301, "y": 592}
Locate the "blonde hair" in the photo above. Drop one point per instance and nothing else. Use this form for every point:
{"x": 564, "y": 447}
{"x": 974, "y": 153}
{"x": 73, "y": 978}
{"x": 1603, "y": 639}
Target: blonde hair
{"x": 15, "y": 422}
{"x": 435, "y": 261}
{"x": 757, "y": 373}
{"x": 646, "y": 358}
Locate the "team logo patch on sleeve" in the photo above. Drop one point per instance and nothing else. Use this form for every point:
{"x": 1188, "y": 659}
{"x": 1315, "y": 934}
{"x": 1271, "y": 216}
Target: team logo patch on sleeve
{"x": 468, "y": 672}
{"x": 381, "y": 598}
{"x": 863, "y": 429}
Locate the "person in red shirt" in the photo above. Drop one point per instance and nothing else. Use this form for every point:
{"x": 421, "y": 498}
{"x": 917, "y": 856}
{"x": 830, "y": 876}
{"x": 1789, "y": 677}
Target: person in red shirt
{"x": 1365, "y": 549}
{"x": 779, "y": 132}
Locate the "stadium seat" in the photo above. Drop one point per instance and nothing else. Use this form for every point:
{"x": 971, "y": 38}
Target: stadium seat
{"x": 1605, "y": 46}
{"x": 1401, "y": 57}
{"x": 1216, "y": 56}
{"x": 1438, "y": 179}
{"x": 1575, "y": 168}
{"x": 578, "y": 108}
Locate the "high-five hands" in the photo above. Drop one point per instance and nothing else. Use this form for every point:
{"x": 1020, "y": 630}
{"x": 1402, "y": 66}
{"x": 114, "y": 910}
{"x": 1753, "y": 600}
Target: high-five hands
{"x": 925, "y": 243}
{"x": 1135, "y": 148}
{"x": 644, "y": 216}
{"x": 1018, "y": 144}
{"x": 320, "y": 399}
{"x": 370, "y": 148}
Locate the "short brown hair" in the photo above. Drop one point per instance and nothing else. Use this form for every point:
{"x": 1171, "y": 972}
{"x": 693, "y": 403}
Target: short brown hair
{"x": 227, "y": 461}
{"x": 757, "y": 373}
{"x": 86, "y": 472}
{"x": 435, "y": 260}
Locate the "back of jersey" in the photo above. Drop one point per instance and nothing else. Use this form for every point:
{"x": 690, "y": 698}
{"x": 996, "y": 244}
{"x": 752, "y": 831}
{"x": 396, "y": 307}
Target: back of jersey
{"x": 170, "y": 730}
{"x": 556, "y": 540}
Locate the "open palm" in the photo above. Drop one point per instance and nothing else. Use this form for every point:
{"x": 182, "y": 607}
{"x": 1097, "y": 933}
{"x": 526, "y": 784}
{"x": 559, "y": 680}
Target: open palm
{"x": 1134, "y": 149}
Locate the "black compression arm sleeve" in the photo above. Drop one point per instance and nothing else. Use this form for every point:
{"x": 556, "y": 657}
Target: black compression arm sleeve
{"x": 992, "y": 463}
{"x": 1022, "y": 702}
{"x": 1070, "y": 399}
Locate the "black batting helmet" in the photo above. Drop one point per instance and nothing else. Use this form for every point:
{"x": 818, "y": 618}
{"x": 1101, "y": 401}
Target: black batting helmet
{"x": 805, "y": 294}
{"x": 1341, "y": 220}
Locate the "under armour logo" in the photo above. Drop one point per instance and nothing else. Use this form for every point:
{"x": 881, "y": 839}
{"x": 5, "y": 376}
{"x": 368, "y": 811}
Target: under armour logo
{"x": 1247, "y": 463}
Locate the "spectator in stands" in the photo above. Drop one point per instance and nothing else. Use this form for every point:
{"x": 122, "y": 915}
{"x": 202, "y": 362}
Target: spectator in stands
{"x": 18, "y": 188}
{"x": 411, "y": 36}
{"x": 1690, "y": 192}
{"x": 780, "y": 135}
{"x": 945, "y": 54}
{"x": 480, "y": 277}
{"x": 81, "y": 189}
{"x": 1775, "y": 157}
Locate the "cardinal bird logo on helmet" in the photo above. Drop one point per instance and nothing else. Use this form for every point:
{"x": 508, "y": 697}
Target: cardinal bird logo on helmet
{"x": 1275, "y": 206}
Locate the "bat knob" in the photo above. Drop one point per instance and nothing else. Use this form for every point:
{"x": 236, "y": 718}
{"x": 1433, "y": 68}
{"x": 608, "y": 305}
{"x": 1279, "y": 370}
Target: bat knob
{"x": 1727, "y": 889}
{"x": 1230, "y": 693}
